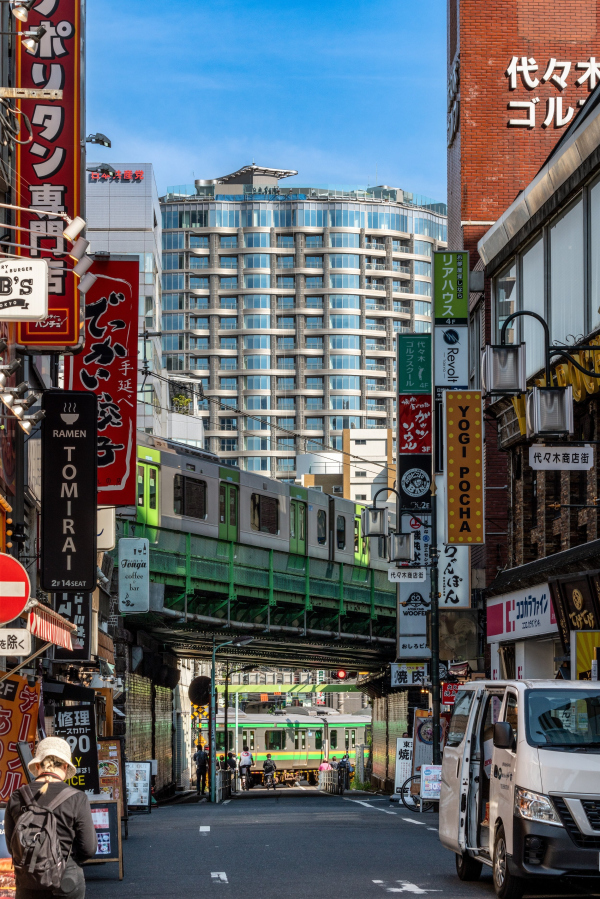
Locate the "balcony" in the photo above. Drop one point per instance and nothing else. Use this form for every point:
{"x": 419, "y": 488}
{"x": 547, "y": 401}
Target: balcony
{"x": 374, "y": 245}
{"x": 402, "y": 289}
{"x": 314, "y": 302}
{"x": 374, "y": 388}
{"x": 374, "y": 285}
{"x": 309, "y": 263}
{"x": 285, "y": 263}
{"x": 401, "y": 268}
{"x": 375, "y": 326}
{"x": 374, "y": 423}
{"x": 370, "y": 366}
{"x": 400, "y": 250}
{"x": 375, "y": 266}
{"x": 371, "y": 303}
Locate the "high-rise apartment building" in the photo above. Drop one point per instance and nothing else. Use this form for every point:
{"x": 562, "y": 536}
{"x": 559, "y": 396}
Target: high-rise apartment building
{"x": 284, "y": 301}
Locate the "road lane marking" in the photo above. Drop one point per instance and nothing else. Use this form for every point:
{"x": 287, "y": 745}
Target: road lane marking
{"x": 412, "y": 821}
{"x": 219, "y": 877}
{"x": 404, "y": 886}
{"x": 366, "y": 804}
{"x": 204, "y": 829}
{"x": 434, "y": 829}
{"x": 226, "y": 801}
{"x": 300, "y": 788}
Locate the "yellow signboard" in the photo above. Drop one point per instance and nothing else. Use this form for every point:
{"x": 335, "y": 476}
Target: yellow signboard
{"x": 583, "y": 645}
{"x": 465, "y": 506}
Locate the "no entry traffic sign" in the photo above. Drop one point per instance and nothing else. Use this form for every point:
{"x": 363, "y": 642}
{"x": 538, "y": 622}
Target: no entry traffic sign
{"x": 14, "y": 588}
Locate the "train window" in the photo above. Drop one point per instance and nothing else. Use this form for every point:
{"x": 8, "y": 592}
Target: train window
{"x": 140, "y": 485}
{"x": 152, "y": 498}
{"x": 264, "y": 514}
{"x": 333, "y": 738}
{"x": 341, "y": 532}
{"x": 356, "y": 534}
{"x": 350, "y": 739}
{"x": 189, "y": 497}
{"x": 274, "y": 739}
{"x": 190, "y": 467}
{"x": 321, "y": 527}
{"x": 220, "y": 741}
{"x": 248, "y": 739}
{"x": 318, "y": 739}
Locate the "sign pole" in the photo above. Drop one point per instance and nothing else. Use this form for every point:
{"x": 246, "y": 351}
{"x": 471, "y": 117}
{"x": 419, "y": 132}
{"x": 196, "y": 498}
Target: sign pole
{"x": 435, "y": 629}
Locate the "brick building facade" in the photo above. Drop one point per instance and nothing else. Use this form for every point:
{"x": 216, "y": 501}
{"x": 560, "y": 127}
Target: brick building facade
{"x": 513, "y": 73}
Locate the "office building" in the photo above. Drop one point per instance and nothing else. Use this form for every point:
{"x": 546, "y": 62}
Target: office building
{"x": 284, "y": 301}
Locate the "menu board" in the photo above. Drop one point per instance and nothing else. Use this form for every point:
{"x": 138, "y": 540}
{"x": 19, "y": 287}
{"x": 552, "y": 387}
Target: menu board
{"x": 107, "y": 824}
{"x": 431, "y": 781}
{"x": 110, "y": 770}
{"x": 139, "y": 785}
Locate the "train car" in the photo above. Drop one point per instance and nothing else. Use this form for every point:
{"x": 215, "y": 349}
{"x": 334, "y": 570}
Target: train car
{"x": 297, "y": 743}
{"x": 189, "y": 490}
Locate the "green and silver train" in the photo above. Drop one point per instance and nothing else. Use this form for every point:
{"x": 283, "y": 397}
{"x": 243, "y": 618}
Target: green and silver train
{"x": 297, "y": 743}
{"x": 189, "y": 490}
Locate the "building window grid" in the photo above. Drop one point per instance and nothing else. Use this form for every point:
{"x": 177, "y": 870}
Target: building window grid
{"x": 417, "y": 307}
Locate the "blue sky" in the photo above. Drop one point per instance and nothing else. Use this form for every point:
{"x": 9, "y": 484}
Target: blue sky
{"x": 346, "y": 93}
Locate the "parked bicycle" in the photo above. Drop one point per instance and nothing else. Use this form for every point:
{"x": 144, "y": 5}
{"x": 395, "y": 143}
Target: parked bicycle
{"x": 410, "y": 794}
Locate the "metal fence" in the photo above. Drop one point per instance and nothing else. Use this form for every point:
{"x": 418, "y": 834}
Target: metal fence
{"x": 335, "y": 781}
{"x": 224, "y": 785}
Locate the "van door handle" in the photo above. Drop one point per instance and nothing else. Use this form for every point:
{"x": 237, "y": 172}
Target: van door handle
{"x": 457, "y": 766}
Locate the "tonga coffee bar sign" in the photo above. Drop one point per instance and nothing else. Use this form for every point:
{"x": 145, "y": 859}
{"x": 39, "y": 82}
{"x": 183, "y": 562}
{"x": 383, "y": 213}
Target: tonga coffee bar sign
{"x": 69, "y": 460}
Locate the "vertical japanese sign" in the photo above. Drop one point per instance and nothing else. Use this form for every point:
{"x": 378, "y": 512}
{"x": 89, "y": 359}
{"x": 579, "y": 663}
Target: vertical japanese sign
{"x": 414, "y": 371}
{"x": 76, "y": 608}
{"x": 18, "y": 723}
{"x": 450, "y": 372}
{"x": 108, "y": 367}
{"x": 68, "y": 525}
{"x": 134, "y": 574}
{"x": 451, "y": 324}
{"x": 465, "y": 502}
{"x": 49, "y": 168}
{"x": 77, "y": 726}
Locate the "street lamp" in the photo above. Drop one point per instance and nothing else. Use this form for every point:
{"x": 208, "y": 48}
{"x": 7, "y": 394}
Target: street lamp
{"x": 97, "y": 138}
{"x": 239, "y": 641}
{"x": 548, "y": 409}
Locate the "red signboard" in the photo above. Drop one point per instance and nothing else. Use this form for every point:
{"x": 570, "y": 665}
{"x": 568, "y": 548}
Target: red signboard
{"x": 108, "y": 367}
{"x": 19, "y": 708}
{"x": 14, "y": 588}
{"x": 449, "y": 692}
{"x": 49, "y": 167}
{"x": 414, "y": 423}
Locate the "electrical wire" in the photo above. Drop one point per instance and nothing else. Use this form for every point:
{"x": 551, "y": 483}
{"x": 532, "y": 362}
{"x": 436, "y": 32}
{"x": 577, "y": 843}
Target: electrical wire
{"x": 244, "y": 414}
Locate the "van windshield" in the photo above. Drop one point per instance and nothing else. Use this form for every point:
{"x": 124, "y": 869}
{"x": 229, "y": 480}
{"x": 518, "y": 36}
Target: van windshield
{"x": 563, "y": 719}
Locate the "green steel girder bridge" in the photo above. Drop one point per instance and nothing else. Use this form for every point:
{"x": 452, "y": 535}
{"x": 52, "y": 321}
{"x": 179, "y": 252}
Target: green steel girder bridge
{"x": 299, "y": 611}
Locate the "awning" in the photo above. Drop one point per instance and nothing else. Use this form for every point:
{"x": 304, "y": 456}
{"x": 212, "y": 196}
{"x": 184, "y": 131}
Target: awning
{"x": 50, "y": 627}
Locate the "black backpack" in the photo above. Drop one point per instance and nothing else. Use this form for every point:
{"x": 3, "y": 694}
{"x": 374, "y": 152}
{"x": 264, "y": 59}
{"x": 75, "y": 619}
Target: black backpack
{"x": 35, "y": 847}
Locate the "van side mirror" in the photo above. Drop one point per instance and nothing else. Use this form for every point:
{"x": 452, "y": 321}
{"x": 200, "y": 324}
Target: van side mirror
{"x": 504, "y": 735}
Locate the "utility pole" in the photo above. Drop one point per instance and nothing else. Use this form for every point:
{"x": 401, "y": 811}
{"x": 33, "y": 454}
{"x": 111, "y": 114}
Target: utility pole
{"x": 435, "y": 628}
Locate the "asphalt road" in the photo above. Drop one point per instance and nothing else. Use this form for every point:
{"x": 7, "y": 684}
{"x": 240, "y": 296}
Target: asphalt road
{"x": 297, "y": 844}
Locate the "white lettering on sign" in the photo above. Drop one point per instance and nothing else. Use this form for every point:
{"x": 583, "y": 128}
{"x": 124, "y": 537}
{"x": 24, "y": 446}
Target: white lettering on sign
{"x": 12, "y": 588}
{"x": 525, "y": 72}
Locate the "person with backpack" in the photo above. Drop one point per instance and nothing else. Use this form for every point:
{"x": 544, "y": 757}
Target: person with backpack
{"x": 269, "y": 768}
{"x": 201, "y": 759}
{"x": 49, "y": 828}
{"x": 246, "y": 762}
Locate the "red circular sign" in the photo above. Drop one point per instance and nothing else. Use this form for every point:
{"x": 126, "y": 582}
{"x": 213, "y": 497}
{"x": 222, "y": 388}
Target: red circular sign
{"x": 14, "y": 588}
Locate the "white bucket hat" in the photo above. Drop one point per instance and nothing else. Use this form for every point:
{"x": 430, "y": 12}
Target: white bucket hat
{"x": 57, "y": 747}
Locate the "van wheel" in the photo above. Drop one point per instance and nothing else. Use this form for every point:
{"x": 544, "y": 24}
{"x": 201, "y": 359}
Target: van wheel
{"x": 507, "y": 886}
{"x": 468, "y": 868}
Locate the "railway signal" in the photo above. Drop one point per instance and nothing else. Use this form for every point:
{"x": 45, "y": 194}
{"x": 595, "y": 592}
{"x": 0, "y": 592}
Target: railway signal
{"x": 342, "y": 674}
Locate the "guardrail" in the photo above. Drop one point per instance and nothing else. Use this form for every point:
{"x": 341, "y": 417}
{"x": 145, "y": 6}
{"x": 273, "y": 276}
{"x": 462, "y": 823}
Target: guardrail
{"x": 224, "y": 785}
{"x": 334, "y": 782}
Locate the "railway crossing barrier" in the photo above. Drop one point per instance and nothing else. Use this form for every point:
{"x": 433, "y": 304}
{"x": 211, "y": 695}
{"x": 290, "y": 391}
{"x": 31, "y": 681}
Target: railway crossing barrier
{"x": 332, "y": 782}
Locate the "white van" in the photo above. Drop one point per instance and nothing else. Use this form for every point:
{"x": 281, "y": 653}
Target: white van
{"x": 521, "y": 781}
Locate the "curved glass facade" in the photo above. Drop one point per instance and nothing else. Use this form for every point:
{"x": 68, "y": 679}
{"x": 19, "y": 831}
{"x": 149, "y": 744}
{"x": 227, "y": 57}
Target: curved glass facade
{"x": 336, "y": 281}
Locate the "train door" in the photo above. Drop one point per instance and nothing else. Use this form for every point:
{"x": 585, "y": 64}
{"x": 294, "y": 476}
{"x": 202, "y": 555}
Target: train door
{"x": 228, "y": 511}
{"x": 147, "y": 494}
{"x": 361, "y": 544}
{"x": 350, "y": 740}
{"x": 298, "y": 527}
{"x": 300, "y": 747}
{"x": 248, "y": 739}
